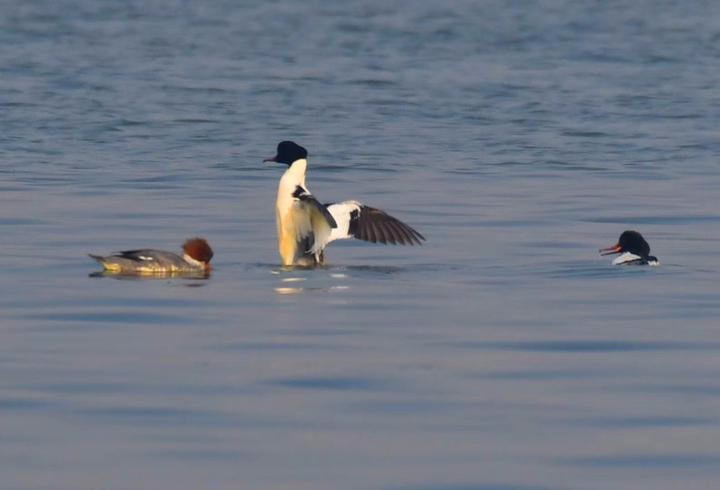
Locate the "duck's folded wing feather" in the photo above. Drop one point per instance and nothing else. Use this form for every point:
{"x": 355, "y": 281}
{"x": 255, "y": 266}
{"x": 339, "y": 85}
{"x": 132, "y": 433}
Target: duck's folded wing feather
{"x": 149, "y": 257}
{"x": 140, "y": 255}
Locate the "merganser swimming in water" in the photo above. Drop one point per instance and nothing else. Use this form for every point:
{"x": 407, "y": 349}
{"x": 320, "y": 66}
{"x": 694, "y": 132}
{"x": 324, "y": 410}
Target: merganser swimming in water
{"x": 195, "y": 260}
{"x": 305, "y": 226}
{"x": 633, "y": 248}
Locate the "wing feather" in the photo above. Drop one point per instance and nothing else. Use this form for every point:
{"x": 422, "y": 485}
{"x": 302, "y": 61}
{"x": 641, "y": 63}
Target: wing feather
{"x": 383, "y": 232}
{"x": 139, "y": 255}
{"x": 375, "y": 226}
{"x": 397, "y": 235}
{"x": 355, "y": 220}
{"x": 308, "y": 199}
{"x": 372, "y": 232}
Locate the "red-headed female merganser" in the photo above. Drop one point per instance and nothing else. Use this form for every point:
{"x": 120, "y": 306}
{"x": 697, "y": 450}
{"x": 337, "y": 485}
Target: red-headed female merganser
{"x": 633, "y": 248}
{"x": 305, "y": 226}
{"x": 195, "y": 259}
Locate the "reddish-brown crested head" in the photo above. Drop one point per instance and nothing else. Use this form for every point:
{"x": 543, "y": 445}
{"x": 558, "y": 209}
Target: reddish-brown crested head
{"x": 198, "y": 249}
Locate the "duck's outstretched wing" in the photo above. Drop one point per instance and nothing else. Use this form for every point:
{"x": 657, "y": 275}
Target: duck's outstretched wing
{"x": 314, "y": 206}
{"x": 355, "y": 220}
{"x": 314, "y": 236}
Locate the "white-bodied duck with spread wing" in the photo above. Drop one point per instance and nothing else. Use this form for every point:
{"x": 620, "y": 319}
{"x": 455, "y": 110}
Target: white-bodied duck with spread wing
{"x": 305, "y": 226}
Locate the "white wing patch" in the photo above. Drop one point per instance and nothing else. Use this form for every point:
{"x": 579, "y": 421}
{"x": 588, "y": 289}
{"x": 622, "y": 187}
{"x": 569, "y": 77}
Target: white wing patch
{"x": 625, "y": 258}
{"x": 342, "y": 212}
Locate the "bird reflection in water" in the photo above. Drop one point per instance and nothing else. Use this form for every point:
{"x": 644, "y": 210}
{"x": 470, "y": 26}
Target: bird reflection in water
{"x": 296, "y": 285}
{"x": 192, "y": 279}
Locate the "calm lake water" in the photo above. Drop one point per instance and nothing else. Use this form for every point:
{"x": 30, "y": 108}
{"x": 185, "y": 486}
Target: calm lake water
{"x": 504, "y": 354}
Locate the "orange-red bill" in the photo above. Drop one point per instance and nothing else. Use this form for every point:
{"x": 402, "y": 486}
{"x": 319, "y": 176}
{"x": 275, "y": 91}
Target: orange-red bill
{"x": 615, "y": 249}
{"x": 271, "y": 159}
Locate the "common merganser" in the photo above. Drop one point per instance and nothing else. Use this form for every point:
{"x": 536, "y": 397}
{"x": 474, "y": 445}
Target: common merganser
{"x": 305, "y": 226}
{"x": 195, "y": 259}
{"x": 633, "y": 248}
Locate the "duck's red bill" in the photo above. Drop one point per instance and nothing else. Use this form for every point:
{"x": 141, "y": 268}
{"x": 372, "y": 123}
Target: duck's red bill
{"x": 615, "y": 249}
{"x": 271, "y": 159}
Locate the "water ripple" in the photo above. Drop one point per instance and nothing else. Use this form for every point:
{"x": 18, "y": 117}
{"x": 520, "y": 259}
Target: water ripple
{"x": 589, "y": 346}
{"x": 331, "y": 383}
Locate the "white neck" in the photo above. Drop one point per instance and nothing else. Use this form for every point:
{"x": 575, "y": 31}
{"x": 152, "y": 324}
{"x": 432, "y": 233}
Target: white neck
{"x": 293, "y": 177}
{"x": 192, "y": 261}
{"x": 296, "y": 172}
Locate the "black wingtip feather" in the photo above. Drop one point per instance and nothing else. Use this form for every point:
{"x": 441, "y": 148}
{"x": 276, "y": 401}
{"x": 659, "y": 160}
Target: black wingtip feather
{"x": 372, "y": 232}
{"x": 374, "y": 225}
{"x": 397, "y": 232}
{"x": 392, "y": 235}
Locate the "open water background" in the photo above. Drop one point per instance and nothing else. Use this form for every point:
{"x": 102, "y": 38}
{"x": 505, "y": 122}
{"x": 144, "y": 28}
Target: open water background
{"x": 505, "y": 354}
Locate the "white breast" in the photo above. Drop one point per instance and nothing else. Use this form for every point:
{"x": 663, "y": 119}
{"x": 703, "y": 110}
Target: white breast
{"x": 294, "y": 176}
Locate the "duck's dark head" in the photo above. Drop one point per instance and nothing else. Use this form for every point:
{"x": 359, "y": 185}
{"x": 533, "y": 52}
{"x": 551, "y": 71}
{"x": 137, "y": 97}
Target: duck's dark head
{"x": 287, "y": 153}
{"x": 630, "y": 241}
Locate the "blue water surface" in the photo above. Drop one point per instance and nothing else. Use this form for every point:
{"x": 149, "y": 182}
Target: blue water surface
{"x": 504, "y": 354}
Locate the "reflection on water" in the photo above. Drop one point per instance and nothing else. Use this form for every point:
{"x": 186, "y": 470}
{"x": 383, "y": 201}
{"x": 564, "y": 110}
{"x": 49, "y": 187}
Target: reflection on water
{"x": 199, "y": 276}
{"x": 320, "y": 279}
{"x": 285, "y": 290}
{"x": 293, "y": 279}
{"x": 288, "y": 290}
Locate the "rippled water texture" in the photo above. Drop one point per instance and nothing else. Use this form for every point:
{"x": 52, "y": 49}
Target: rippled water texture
{"x": 504, "y": 354}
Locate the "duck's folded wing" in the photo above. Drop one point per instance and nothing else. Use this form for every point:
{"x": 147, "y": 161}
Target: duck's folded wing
{"x": 355, "y": 220}
{"x": 126, "y": 260}
{"x": 140, "y": 255}
{"x": 152, "y": 256}
{"x": 629, "y": 258}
